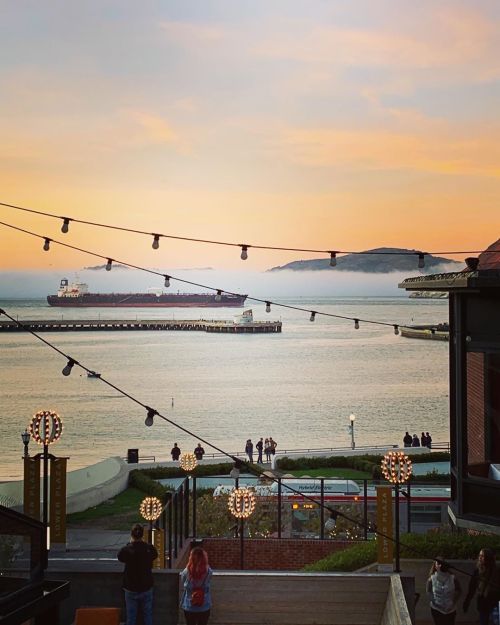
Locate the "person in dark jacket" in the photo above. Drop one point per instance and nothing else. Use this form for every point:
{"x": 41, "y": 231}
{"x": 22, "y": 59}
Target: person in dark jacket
{"x": 423, "y": 440}
{"x": 198, "y": 452}
{"x": 485, "y": 583}
{"x": 138, "y": 557}
{"x": 407, "y": 439}
{"x": 176, "y": 452}
{"x": 415, "y": 442}
{"x": 259, "y": 446}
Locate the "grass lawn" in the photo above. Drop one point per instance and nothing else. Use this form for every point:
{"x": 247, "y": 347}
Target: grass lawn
{"x": 119, "y": 513}
{"x": 346, "y": 474}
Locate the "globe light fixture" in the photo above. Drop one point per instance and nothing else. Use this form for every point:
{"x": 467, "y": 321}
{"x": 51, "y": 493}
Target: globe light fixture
{"x": 241, "y": 502}
{"x": 45, "y": 427}
{"x": 188, "y": 462}
{"x": 151, "y": 508}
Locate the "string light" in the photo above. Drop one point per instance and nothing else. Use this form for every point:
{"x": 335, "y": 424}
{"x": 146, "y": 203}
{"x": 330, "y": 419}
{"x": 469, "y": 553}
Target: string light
{"x": 356, "y": 324}
{"x": 46, "y": 244}
{"x": 333, "y": 259}
{"x": 156, "y": 241}
{"x": 68, "y": 368}
{"x": 244, "y": 252}
{"x": 246, "y": 246}
{"x": 218, "y": 296}
{"x": 149, "y": 420}
{"x": 65, "y": 226}
{"x": 268, "y": 307}
{"x": 313, "y": 315}
{"x": 151, "y": 508}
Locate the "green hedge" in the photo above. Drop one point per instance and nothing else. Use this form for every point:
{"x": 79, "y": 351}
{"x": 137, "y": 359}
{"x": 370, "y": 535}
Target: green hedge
{"x": 138, "y": 479}
{"x": 452, "y": 546}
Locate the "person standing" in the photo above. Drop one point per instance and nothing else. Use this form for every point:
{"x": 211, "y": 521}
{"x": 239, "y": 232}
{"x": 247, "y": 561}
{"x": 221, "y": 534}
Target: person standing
{"x": 423, "y": 440}
{"x": 429, "y": 440}
{"x": 407, "y": 439}
{"x": 485, "y": 582}
{"x": 196, "y": 599}
{"x": 259, "y": 446}
{"x": 138, "y": 557}
{"x": 176, "y": 452}
{"x": 199, "y": 452}
{"x": 249, "y": 450}
{"x": 273, "y": 444}
{"x": 443, "y": 590}
{"x": 414, "y": 441}
{"x": 267, "y": 450}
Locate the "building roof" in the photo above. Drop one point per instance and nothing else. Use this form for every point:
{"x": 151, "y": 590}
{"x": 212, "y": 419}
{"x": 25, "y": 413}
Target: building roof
{"x": 487, "y": 275}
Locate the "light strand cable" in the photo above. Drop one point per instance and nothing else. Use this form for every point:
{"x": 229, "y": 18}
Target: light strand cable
{"x": 204, "y": 286}
{"x": 250, "y": 467}
{"x": 231, "y": 244}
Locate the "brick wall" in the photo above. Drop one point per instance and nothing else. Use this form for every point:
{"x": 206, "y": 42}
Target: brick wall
{"x": 475, "y": 408}
{"x": 286, "y": 554}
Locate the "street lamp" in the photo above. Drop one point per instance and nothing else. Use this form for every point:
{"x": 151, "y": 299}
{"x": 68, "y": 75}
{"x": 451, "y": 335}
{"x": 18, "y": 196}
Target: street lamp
{"x": 352, "y": 418}
{"x": 25, "y": 437}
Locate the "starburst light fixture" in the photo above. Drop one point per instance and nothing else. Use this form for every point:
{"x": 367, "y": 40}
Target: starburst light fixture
{"x": 188, "y": 462}
{"x": 45, "y": 427}
{"x": 151, "y": 508}
{"x": 396, "y": 467}
{"x": 241, "y": 502}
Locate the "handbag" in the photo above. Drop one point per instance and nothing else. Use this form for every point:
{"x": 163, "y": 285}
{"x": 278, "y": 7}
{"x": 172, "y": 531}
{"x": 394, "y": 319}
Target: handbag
{"x": 198, "y": 594}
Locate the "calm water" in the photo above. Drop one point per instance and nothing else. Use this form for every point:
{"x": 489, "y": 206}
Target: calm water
{"x": 299, "y": 386}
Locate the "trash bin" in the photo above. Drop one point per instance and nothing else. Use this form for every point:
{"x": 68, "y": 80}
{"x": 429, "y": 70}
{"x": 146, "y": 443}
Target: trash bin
{"x": 133, "y": 456}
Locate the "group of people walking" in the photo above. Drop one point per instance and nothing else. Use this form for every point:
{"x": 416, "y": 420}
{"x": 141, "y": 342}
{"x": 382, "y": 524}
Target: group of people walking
{"x": 413, "y": 441}
{"x": 267, "y": 447}
{"x": 443, "y": 588}
{"x": 444, "y": 591}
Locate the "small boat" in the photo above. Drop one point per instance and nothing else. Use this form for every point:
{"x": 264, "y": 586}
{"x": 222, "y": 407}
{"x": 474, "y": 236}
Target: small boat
{"x": 93, "y": 374}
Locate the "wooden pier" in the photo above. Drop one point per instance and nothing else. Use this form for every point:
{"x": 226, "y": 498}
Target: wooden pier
{"x": 112, "y": 325}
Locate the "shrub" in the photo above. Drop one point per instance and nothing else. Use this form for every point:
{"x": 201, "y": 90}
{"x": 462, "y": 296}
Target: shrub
{"x": 452, "y": 546}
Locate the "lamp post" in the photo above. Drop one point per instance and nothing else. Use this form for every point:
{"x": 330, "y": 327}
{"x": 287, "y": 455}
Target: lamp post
{"x": 352, "y": 418}
{"x": 396, "y": 468}
{"x": 25, "y": 437}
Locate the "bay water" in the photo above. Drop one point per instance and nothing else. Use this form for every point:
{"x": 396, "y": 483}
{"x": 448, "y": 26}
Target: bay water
{"x": 298, "y": 386}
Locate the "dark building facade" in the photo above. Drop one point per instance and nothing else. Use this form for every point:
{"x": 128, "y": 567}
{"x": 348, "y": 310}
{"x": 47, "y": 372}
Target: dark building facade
{"x": 474, "y": 315}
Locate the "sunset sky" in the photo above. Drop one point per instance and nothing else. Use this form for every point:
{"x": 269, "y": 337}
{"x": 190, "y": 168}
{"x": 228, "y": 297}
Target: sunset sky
{"x": 311, "y": 123}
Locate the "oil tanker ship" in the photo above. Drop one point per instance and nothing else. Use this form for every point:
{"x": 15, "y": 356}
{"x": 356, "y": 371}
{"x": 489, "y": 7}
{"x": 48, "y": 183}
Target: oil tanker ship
{"x": 76, "y": 295}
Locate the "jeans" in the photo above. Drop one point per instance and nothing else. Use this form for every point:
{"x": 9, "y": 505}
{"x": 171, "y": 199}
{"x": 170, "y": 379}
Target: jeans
{"x": 443, "y": 619}
{"x": 139, "y": 600}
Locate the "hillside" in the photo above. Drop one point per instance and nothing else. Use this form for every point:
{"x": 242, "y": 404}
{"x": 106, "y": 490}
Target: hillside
{"x": 374, "y": 263}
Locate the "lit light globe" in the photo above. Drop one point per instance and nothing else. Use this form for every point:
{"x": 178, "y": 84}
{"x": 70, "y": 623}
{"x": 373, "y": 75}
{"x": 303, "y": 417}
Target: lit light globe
{"x": 45, "y": 427}
{"x": 396, "y": 467}
{"x": 188, "y": 462}
{"x": 241, "y": 502}
{"x": 151, "y": 508}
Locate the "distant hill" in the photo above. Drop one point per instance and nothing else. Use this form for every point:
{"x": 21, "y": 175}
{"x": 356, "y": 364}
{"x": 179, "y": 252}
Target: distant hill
{"x": 103, "y": 267}
{"x": 375, "y": 262}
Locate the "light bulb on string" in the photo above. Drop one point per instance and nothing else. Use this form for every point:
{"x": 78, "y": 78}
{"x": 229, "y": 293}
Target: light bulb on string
{"x": 65, "y": 226}
{"x": 421, "y": 260}
{"x": 218, "y": 297}
{"x": 356, "y": 324}
{"x": 67, "y": 369}
{"x": 149, "y": 420}
{"x": 109, "y": 264}
{"x": 244, "y": 252}
{"x": 46, "y": 244}
{"x": 156, "y": 241}
{"x": 268, "y": 307}
{"x": 333, "y": 259}
{"x": 313, "y": 316}
{"x": 167, "y": 281}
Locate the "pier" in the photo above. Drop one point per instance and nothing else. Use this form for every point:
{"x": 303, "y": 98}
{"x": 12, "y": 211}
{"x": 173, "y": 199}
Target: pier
{"x": 112, "y": 325}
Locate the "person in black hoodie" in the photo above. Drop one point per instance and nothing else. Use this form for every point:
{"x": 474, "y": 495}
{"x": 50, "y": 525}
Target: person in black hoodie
{"x": 138, "y": 557}
{"x": 485, "y": 584}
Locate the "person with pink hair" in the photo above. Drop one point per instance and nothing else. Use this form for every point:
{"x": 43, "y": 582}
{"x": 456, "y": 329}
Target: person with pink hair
{"x": 196, "y": 599}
